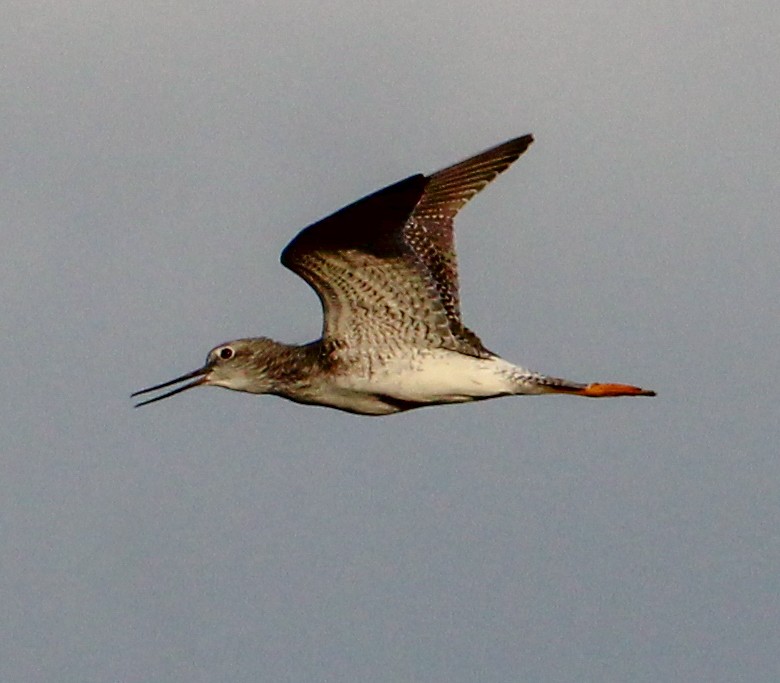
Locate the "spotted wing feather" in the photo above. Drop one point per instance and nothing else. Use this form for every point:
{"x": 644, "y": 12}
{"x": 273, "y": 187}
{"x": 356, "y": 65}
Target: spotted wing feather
{"x": 384, "y": 267}
{"x": 429, "y": 230}
{"x": 375, "y": 291}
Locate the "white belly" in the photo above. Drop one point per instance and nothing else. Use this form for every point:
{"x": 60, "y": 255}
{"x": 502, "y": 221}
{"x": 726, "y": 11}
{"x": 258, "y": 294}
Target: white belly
{"x": 428, "y": 378}
{"x": 444, "y": 377}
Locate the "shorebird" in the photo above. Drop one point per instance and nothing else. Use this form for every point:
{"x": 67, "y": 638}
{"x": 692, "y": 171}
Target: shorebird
{"x": 385, "y": 271}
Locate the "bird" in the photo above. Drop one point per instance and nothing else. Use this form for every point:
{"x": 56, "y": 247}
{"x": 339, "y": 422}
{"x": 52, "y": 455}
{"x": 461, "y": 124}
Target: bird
{"x": 385, "y": 271}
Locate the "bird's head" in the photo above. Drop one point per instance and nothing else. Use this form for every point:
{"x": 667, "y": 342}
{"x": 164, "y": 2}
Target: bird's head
{"x": 240, "y": 365}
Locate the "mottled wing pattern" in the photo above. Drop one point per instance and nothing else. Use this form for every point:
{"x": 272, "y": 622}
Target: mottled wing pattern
{"x": 375, "y": 291}
{"x": 384, "y": 267}
{"x": 429, "y": 230}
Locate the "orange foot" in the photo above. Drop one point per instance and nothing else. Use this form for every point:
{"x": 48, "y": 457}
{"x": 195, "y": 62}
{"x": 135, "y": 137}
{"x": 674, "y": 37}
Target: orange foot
{"x": 608, "y": 390}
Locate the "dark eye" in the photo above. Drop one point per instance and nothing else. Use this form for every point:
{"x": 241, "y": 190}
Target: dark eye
{"x": 226, "y": 353}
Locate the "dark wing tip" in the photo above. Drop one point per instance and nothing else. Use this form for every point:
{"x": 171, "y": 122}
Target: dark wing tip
{"x": 509, "y": 150}
{"x": 521, "y": 143}
{"x": 452, "y": 187}
{"x": 371, "y": 223}
{"x": 506, "y": 153}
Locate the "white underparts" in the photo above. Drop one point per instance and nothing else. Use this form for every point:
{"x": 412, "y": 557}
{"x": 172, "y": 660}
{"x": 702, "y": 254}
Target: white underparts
{"x": 427, "y": 377}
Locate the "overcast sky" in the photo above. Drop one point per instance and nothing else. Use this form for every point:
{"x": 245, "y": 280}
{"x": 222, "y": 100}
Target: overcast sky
{"x": 157, "y": 157}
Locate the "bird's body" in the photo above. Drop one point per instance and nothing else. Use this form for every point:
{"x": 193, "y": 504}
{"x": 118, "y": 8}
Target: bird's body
{"x": 372, "y": 383}
{"x": 393, "y": 339}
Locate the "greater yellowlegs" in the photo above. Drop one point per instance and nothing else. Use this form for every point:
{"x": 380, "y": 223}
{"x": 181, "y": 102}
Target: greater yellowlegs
{"x": 385, "y": 271}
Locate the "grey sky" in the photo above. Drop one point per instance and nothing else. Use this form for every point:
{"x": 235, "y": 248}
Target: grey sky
{"x": 156, "y": 159}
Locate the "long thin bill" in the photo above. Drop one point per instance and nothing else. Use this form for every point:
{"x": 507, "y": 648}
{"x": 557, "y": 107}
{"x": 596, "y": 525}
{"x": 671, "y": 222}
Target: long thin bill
{"x": 200, "y": 373}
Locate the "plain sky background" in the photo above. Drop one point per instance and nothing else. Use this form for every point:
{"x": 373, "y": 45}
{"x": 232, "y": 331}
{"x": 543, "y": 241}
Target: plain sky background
{"x": 156, "y": 158}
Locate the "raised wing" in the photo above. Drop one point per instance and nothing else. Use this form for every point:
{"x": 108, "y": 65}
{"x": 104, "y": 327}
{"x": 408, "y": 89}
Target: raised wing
{"x": 429, "y": 230}
{"x": 373, "y": 288}
{"x": 384, "y": 267}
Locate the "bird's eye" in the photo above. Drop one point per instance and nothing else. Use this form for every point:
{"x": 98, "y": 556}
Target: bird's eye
{"x": 226, "y": 353}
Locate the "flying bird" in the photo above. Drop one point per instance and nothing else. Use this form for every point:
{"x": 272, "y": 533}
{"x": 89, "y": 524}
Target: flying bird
{"x": 393, "y": 339}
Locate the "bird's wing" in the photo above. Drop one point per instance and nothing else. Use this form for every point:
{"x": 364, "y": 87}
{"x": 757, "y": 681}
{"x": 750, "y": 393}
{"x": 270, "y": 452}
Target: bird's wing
{"x": 384, "y": 267}
{"x": 429, "y": 230}
{"x": 375, "y": 291}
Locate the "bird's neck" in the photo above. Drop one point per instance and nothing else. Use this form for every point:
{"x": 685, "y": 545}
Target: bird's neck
{"x": 290, "y": 365}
